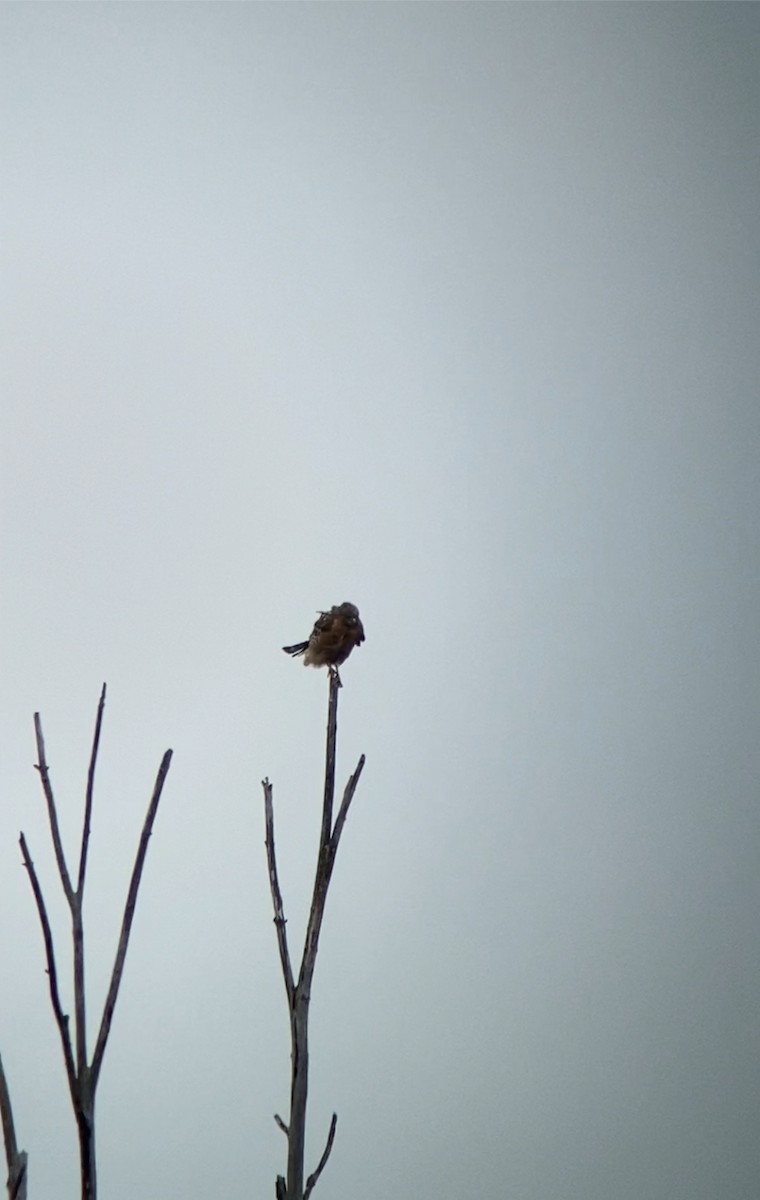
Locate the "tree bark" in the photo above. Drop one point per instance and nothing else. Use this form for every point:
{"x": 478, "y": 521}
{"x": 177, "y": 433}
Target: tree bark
{"x": 299, "y": 1087}
{"x": 85, "y": 1117}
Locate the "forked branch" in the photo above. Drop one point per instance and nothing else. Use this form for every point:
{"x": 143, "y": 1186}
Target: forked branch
{"x": 299, "y": 992}
{"x": 83, "y": 1077}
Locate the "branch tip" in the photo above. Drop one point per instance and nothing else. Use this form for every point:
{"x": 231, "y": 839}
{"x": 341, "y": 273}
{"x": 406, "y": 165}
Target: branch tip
{"x": 126, "y": 925}
{"x": 310, "y": 1182}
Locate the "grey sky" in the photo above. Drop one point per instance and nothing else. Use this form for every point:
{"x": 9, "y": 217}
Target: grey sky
{"x": 452, "y": 311}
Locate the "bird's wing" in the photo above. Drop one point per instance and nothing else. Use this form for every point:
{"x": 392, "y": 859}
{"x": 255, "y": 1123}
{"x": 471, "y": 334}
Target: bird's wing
{"x": 325, "y": 620}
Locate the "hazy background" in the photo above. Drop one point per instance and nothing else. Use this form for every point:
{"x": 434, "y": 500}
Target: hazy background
{"x": 451, "y": 311}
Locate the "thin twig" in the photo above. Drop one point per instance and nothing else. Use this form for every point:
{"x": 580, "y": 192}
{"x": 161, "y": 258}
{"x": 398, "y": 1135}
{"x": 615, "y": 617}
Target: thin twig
{"x": 15, "y": 1159}
{"x": 126, "y": 926}
{"x": 325, "y": 866}
{"x": 61, "y": 1019}
{"x": 75, "y": 900}
{"x": 88, "y": 796}
{"x": 42, "y": 767}
{"x": 274, "y": 885}
{"x": 345, "y": 804}
{"x": 323, "y": 1160}
{"x": 325, "y": 856}
{"x": 6, "y": 1116}
{"x": 281, "y": 1124}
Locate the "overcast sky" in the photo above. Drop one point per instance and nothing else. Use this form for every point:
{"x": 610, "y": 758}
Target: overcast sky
{"x": 450, "y": 311}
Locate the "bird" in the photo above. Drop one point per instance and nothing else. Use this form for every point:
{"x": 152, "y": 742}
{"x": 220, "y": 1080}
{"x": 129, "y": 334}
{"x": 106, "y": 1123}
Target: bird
{"x": 332, "y": 639}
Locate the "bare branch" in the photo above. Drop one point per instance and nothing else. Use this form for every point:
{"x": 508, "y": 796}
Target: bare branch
{"x": 74, "y": 898}
{"x": 281, "y": 1124}
{"x": 62, "y": 1020}
{"x": 16, "y": 1161}
{"x": 332, "y": 736}
{"x": 6, "y": 1116}
{"x": 80, "y": 1022}
{"x": 88, "y": 797}
{"x": 326, "y": 854}
{"x": 17, "y": 1181}
{"x": 325, "y": 864}
{"x": 75, "y": 901}
{"x": 126, "y": 926}
{"x": 83, "y": 1077}
{"x": 299, "y": 995}
{"x": 323, "y": 1160}
{"x": 42, "y": 767}
{"x": 274, "y": 884}
{"x": 345, "y": 804}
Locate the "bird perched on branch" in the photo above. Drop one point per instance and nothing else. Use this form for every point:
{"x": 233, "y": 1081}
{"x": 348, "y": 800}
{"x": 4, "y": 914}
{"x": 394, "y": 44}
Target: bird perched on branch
{"x": 333, "y": 637}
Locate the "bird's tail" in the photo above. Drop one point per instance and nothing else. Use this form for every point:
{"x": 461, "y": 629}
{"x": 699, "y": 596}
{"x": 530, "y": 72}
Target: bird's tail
{"x": 297, "y": 649}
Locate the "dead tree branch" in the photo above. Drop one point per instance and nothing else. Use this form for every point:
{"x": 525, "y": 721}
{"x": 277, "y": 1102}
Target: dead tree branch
{"x": 274, "y": 884}
{"x": 83, "y": 1076}
{"x": 129, "y": 912}
{"x": 15, "y": 1159}
{"x": 299, "y": 992}
{"x": 88, "y": 794}
{"x": 323, "y": 1160}
{"x": 61, "y": 1018}
{"x": 42, "y": 767}
{"x": 330, "y": 752}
